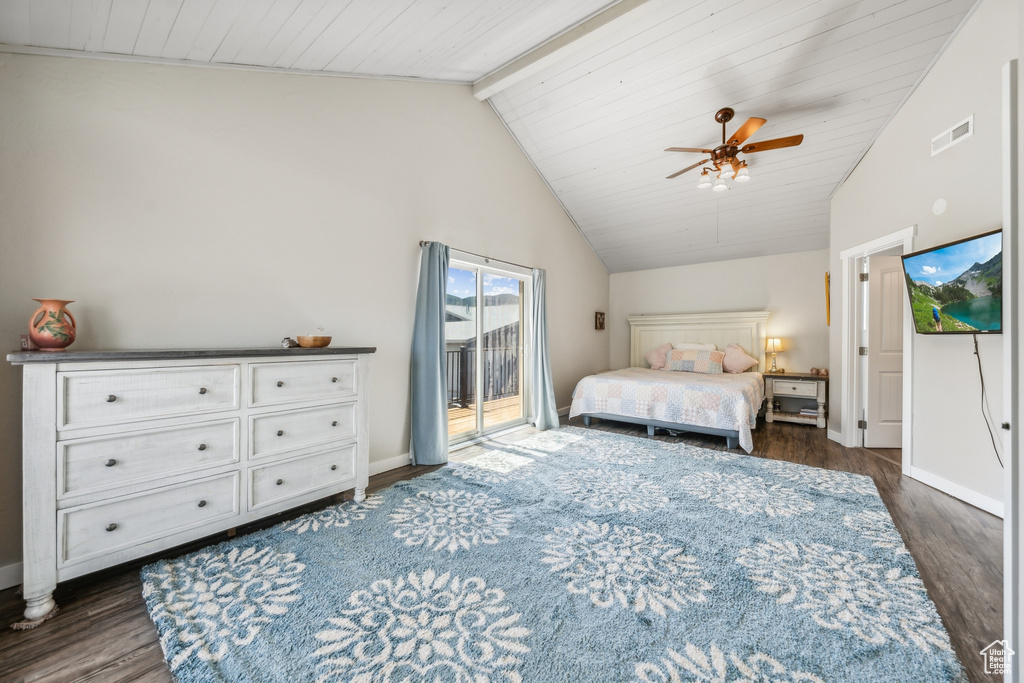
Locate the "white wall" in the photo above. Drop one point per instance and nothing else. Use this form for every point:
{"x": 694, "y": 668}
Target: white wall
{"x": 895, "y": 186}
{"x": 187, "y": 207}
{"x": 791, "y": 286}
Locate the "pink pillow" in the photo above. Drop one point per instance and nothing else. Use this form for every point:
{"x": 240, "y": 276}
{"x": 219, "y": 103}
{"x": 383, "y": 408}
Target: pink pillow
{"x": 737, "y": 360}
{"x": 704, "y": 361}
{"x": 656, "y": 358}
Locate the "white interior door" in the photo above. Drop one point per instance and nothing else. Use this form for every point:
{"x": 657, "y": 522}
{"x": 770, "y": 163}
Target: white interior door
{"x": 884, "y": 394}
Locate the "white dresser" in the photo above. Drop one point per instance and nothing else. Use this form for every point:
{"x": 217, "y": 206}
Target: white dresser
{"x": 128, "y": 453}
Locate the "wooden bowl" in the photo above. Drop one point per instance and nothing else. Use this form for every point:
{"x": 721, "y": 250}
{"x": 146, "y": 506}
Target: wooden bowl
{"x": 313, "y": 342}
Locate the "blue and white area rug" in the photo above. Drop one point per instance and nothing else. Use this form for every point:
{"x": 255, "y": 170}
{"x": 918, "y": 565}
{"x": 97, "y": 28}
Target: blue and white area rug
{"x": 575, "y": 555}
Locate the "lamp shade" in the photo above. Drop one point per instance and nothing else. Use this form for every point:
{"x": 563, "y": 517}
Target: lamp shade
{"x": 725, "y": 169}
{"x": 742, "y": 175}
{"x": 704, "y": 181}
{"x": 720, "y": 185}
{"x": 774, "y": 345}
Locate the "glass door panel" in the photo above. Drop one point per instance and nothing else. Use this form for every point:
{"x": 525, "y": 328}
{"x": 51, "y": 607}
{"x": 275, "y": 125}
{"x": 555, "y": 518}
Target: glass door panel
{"x": 460, "y": 331}
{"x": 502, "y": 344}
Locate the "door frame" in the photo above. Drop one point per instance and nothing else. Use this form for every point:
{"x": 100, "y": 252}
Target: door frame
{"x": 852, "y": 381}
{"x": 502, "y": 268}
{"x": 1013, "y": 515}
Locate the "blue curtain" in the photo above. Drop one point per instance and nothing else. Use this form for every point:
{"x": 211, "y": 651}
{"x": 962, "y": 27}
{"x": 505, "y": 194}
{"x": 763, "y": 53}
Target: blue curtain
{"x": 544, "y": 410}
{"x": 428, "y": 438}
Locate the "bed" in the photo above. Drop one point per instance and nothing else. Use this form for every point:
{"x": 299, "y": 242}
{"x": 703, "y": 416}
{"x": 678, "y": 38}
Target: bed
{"x": 721, "y": 405}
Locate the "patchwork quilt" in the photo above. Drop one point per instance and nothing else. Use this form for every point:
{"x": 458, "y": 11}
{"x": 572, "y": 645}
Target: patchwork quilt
{"x": 726, "y": 401}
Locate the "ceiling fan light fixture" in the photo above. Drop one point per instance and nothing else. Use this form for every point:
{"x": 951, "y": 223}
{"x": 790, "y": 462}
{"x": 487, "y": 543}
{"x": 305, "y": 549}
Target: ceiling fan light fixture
{"x": 705, "y": 180}
{"x": 742, "y": 174}
{"x": 720, "y": 185}
{"x": 725, "y": 169}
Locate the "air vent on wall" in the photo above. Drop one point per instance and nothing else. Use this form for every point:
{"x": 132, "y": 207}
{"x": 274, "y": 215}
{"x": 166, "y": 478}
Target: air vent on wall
{"x": 948, "y": 138}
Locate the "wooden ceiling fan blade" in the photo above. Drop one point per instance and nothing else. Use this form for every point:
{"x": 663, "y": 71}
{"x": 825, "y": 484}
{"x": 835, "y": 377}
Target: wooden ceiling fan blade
{"x": 688, "y": 168}
{"x": 746, "y": 130}
{"x": 688, "y": 149}
{"x": 777, "y": 143}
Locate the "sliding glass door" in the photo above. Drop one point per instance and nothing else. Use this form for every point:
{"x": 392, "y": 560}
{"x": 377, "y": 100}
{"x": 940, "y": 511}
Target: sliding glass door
{"x": 484, "y": 328}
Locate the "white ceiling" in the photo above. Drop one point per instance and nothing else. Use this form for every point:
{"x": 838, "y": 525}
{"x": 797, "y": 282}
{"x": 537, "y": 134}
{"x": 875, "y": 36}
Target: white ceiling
{"x": 594, "y": 108}
{"x": 446, "y": 40}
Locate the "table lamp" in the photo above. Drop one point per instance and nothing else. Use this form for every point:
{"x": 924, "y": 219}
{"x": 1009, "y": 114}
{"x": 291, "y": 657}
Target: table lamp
{"x": 774, "y": 346}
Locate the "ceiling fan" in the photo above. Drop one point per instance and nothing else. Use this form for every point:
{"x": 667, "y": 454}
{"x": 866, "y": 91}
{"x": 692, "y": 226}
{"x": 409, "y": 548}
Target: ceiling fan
{"x": 724, "y": 159}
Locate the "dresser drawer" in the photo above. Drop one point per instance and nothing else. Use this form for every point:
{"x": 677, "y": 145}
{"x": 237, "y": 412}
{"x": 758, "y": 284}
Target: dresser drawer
{"x": 280, "y": 481}
{"x": 276, "y": 383}
{"x": 100, "y": 528}
{"x": 87, "y": 399}
{"x": 87, "y": 465}
{"x": 278, "y": 432}
{"x": 783, "y": 387}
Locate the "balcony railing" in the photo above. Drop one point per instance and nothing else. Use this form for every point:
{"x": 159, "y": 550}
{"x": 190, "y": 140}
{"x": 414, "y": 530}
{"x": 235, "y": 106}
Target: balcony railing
{"x": 501, "y": 374}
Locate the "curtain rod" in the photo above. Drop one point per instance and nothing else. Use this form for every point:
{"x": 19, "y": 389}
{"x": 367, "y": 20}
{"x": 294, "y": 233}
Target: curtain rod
{"x": 424, "y": 243}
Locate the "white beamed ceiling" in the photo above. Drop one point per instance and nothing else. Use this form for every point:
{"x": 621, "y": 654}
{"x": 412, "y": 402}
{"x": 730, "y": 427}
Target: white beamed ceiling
{"x": 596, "y": 124}
{"x": 443, "y": 40}
{"x": 594, "y": 121}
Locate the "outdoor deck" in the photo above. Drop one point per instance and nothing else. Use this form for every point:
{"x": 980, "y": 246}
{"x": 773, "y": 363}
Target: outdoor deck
{"x": 495, "y": 412}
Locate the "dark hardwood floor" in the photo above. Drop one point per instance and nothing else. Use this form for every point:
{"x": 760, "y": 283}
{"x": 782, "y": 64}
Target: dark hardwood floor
{"x": 102, "y": 632}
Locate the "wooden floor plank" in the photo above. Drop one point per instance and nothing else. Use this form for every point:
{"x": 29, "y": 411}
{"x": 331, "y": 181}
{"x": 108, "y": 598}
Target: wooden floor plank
{"x": 103, "y": 632}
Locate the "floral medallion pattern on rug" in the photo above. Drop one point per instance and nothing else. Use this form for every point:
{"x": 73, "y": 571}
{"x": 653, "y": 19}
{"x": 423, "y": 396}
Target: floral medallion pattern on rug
{"x": 693, "y": 664}
{"x": 623, "y": 565}
{"x": 747, "y": 495}
{"x": 564, "y": 557}
{"x": 621, "y": 454}
{"x": 701, "y": 453}
{"x": 493, "y": 468}
{"x": 602, "y": 489}
{"x": 827, "y": 481}
{"x": 216, "y": 600}
{"x": 425, "y": 627}
{"x": 844, "y": 590}
{"x": 876, "y": 526}
{"x": 451, "y": 520}
{"x": 339, "y": 516}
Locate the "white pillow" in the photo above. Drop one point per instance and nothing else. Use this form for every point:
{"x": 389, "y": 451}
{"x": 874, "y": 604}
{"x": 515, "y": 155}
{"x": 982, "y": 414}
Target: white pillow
{"x": 690, "y": 346}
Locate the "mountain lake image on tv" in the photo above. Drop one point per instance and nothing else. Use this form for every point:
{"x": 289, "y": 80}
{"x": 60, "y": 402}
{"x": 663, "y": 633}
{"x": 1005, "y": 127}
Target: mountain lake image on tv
{"x": 957, "y": 288}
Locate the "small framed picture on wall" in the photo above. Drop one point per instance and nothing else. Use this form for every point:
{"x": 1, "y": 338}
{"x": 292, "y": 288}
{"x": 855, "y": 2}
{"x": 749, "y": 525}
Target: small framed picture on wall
{"x": 599, "y": 321}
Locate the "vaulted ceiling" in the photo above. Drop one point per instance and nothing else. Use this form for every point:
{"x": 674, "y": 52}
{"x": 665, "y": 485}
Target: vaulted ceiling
{"x": 593, "y": 91}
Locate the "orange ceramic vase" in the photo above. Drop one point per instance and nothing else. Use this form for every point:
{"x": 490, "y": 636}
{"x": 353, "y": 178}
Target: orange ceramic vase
{"x": 52, "y": 327}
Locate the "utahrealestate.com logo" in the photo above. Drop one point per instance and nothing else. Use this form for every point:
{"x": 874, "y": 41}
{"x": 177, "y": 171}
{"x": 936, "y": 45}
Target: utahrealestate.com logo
{"x": 997, "y": 657}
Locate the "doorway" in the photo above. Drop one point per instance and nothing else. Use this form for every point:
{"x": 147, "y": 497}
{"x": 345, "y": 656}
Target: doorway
{"x": 485, "y": 354}
{"x": 880, "y": 353}
{"x": 855, "y": 388}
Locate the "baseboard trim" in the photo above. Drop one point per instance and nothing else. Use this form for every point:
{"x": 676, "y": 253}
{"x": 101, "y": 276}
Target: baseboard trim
{"x": 562, "y": 412}
{"x": 11, "y": 575}
{"x": 978, "y": 500}
{"x": 379, "y": 466}
{"x": 835, "y": 436}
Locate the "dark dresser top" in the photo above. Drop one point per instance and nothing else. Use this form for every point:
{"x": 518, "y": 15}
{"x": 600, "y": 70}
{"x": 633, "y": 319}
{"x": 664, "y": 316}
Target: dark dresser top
{"x": 23, "y": 357}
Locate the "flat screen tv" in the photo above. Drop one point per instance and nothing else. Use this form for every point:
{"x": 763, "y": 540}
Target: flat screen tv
{"x": 957, "y": 288}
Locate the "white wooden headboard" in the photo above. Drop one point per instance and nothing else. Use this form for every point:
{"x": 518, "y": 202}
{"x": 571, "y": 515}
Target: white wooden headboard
{"x": 746, "y": 328}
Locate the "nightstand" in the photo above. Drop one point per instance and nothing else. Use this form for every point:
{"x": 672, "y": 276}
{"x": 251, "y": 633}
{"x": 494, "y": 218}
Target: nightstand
{"x": 796, "y": 391}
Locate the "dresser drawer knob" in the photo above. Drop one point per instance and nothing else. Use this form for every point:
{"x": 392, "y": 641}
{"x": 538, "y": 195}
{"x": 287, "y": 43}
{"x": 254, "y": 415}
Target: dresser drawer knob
{"x": 202, "y": 447}
{"x": 334, "y": 379}
{"x": 334, "y": 467}
{"x": 111, "y": 398}
{"x": 280, "y": 432}
{"x": 280, "y": 384}
{"x": 280, "y": 481}
{"x": 334, "y": 424}
{"x": 202, "y": 390}
{"x": 202, "y": 503}
{"x": 111, "y": 526}
{"x": 110, "y": 463}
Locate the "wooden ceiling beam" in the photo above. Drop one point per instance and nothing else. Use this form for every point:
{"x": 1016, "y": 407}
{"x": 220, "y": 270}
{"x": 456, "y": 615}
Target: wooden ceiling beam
{"x": 561, "y": 46}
